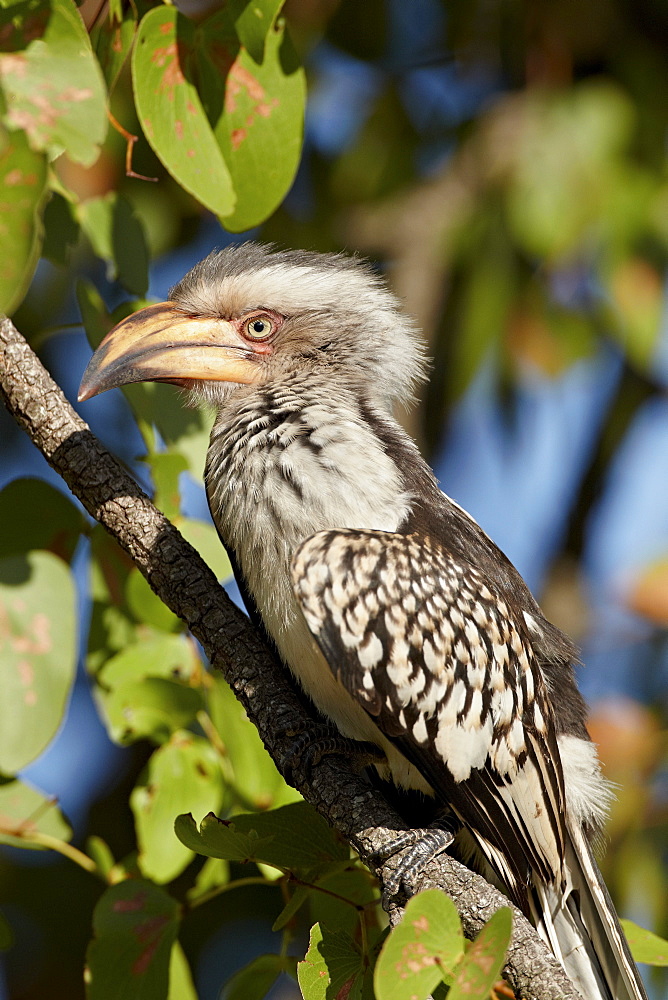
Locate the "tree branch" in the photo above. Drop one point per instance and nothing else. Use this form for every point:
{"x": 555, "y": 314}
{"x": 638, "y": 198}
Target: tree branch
{"x": 187, "y": 586}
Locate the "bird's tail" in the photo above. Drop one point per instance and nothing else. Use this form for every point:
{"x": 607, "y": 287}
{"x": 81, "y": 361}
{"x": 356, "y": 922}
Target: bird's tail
{"x": 582, "y": 929}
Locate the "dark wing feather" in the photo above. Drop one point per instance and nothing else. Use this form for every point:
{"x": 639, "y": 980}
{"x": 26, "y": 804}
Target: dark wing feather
{"x": 438, "y": 659}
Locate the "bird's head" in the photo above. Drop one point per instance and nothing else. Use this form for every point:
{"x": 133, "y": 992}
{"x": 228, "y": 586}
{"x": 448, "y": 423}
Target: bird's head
{"x": 248, "y": 315}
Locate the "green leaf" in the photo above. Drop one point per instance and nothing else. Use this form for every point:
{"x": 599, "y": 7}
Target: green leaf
{"x": 116, "y": 235}
{"x": 24, "y": 811}
{"x": 255, "y": 774}
{"x": 170, "y": 656}
{"x": 427, "y": 943}
{"x": 59, "y": 532}
{"x": 171, "y": 112}
{"x": 23, "y": 175}
{"x": 254, "y": 23}
{"x": 152, "y": 709}
{"x": 269, "y": 837}
{"x": 204, "y": 538}
{"x": 147, "y": 607}
{"x": 6, "y": 933}
{"x": 184, "y": 430}
{"x": 166, "y": 467}
{"x": 258, "y": 120}
{"x": 61, "y": 230}
{"x": 353, "y": 883}
{"x": 113, "y": 42}
{"x": 100, "y": 852}
{"x": 645, "y": 946}
{"x": 37, "y": 654}
{"x": 135, "y": 924}
{"x": 94, "y": 315}
{"x": 181, "y": 986}
{"x": 111, "y": 628}
{"x": 293, "y": 905}
{"x": 482, "y": 964}
{"x": 183, "y": 775}
{"x": 213, "y": 873}
{"x": 333, "y": 967}
{"x": 54, "y": 88}
{"x": 217, "y": 838}
{"x": 254, "y": 981}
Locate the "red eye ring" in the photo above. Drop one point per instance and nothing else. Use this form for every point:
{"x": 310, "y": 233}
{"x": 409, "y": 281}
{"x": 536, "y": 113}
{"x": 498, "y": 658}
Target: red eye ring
{"x": 259, "y": 327}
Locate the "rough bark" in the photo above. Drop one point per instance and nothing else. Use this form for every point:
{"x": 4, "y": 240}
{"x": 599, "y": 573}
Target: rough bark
{"x": 185, "y": 583}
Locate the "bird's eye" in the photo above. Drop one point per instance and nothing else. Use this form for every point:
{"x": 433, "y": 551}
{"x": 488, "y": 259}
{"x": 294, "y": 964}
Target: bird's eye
{"x": 258, "y": 327}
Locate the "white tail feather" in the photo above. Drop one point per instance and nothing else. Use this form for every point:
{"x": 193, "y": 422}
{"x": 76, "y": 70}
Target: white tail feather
{"x": 581, "y": 928}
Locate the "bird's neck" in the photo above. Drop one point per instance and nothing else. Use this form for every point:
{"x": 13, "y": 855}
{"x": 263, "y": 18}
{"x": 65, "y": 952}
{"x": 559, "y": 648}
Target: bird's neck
{"x": 292, "y": 460}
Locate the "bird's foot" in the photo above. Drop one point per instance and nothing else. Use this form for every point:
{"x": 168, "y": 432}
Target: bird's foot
{"x": 322, "y": 740}
{"x": 420, "y": 846}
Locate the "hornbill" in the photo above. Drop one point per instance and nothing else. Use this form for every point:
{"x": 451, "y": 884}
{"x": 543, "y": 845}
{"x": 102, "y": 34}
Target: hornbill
{"x": 404, "y": 623}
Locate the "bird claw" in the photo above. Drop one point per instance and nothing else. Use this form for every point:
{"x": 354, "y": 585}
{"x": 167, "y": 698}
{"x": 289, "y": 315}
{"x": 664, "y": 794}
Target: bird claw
{"x": 420, "y": 846}
{"x": 313, "y": 744}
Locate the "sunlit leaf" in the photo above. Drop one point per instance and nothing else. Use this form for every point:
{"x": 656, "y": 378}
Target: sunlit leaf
{"x": 37, "y": 654}
{"x": 257, "y": 119}
{"x": 170, "y": 109}
{"x": 25, "y": 811}
{"x": 152, "y": 708}
{"x": 23, "y": 175}
{"x": 254, "y": 23}
{"x": 181, "y": 986}
{"x": 645, "y": 946}
{"x": 100, "y": 852}
{"x": 166, "y": 467}
{"x": 54, "y": 88}
{"x": 254, "y": 771}
{"x": 427, "y": 943}
{"x": 482, "y": 964}
{"x": 332, "y": 967}
{"x": 216, "y": 838}
{"x": 113, "y": 42}
{"x": 182, "y": 775}
{"x": 204, "y": 538}
{"x": 135, "y": 924}
{"x": 169, "y": 656}
{"x": 147, "y": 607}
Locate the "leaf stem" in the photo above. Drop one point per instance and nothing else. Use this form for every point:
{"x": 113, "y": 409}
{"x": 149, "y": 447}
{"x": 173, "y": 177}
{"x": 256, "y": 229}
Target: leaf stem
{"x": 220, "y": 889}
{"x": 62, "y": 847}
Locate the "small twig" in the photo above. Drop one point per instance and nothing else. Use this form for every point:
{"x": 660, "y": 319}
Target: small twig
{"x": 130, "y": 140}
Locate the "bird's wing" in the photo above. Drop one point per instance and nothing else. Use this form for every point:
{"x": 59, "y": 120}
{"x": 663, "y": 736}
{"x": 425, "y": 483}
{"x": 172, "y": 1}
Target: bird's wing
{"x": 425, "y": 645}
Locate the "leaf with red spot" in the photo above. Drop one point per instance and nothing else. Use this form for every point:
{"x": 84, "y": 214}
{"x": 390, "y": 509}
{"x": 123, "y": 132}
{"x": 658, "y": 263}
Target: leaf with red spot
{"x": 170, "y": 109}
{"x": 333, "y": 967}
{"x": 482, "y": 964}
{"x": 135, "y": 924}
{"x": 22, "y": 193}
{"x": 425, "y": 946}
{"x": 257, "y": 113}
{"x": 54, "y": 89}
{"x": 37, "y": 654}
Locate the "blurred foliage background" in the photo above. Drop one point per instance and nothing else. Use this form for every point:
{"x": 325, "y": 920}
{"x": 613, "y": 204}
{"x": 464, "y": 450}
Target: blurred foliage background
{"x": 504, "y": 162}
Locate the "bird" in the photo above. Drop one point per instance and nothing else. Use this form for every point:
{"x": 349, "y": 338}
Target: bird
{"x": 406, "y": 626}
